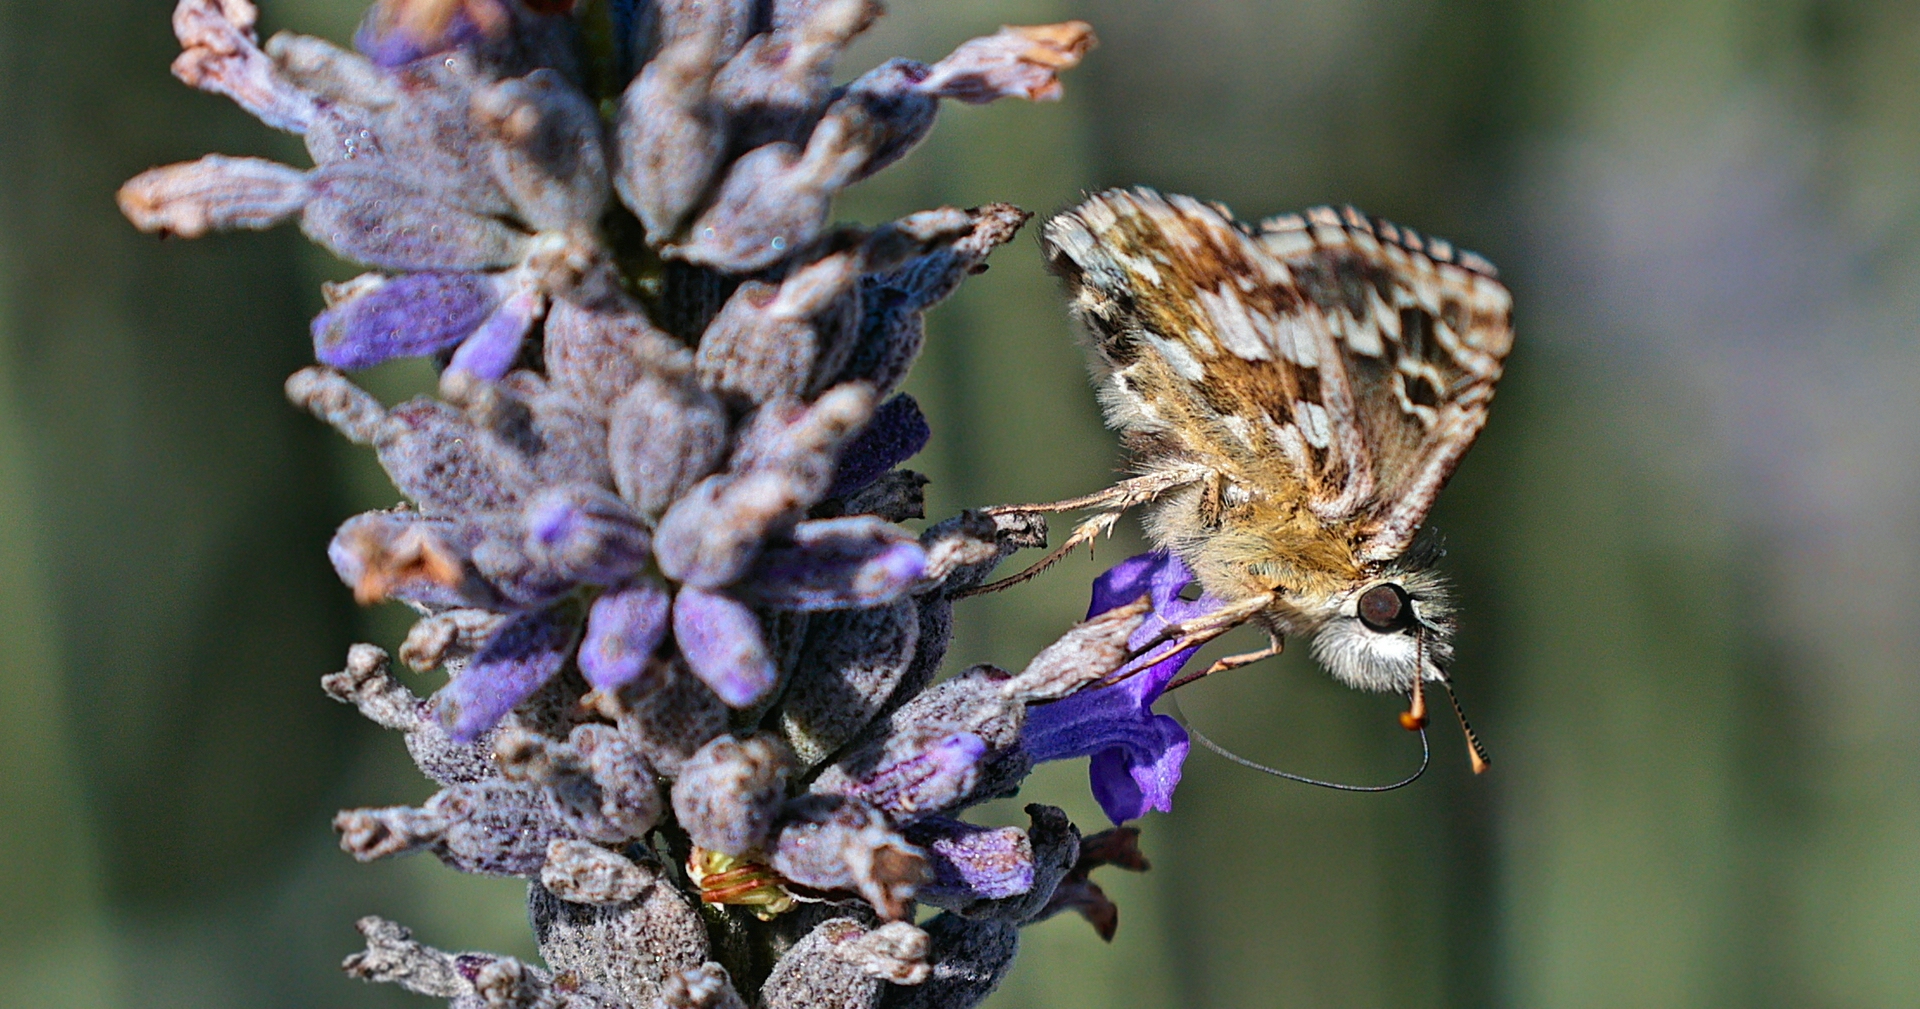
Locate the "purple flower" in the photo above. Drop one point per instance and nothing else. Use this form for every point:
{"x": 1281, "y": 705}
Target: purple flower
{"x": 833, "y": 564}
{"x": 519, "y": 659}
{"x": 724, "y": 645}
{"x": 415, "y": 315}
{"x": 972, "y": 863}
{"x": 624, "y": 627}
{"x": 1136, "y": 754}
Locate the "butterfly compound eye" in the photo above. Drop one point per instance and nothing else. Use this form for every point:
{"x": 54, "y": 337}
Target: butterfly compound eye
{"x": 1386, "y": 608}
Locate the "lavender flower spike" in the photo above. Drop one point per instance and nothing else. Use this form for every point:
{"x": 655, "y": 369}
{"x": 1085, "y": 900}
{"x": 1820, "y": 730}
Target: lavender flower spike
{"x": 1137, "y": 755}
{"x": 650, "y": 516}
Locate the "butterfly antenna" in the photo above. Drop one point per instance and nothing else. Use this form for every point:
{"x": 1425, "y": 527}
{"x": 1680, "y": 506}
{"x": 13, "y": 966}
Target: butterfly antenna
{"x": 1475, "y": 751}
{"x": 1426, "y": 757}
{"x": 1415, "y": 717}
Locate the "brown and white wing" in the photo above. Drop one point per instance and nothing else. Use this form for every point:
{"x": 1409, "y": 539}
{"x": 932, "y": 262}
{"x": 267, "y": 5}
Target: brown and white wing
{"x": 1329, "y": 354}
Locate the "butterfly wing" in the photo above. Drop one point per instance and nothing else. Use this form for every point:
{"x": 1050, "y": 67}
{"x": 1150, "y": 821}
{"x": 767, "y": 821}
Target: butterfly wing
{"x": 1329, "y": 358}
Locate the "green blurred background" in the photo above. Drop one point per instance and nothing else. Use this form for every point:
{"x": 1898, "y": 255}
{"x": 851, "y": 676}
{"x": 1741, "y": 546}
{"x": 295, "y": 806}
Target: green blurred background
{"x": 1688, "y": 544}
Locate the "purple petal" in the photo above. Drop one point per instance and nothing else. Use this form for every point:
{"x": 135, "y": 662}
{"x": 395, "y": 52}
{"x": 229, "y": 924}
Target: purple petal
{"x": 623, "y": 629}
{"x": 492, "y": 348}
{"x": 836, "y": 564}
{"x": 520, "y": 658}
{"x": 723, "y": 645}
{"x": 414, "y": 315}
{"x": 897, "y": 432}
{"x": 1128, "y": 781}
{"x": 971, "y": 863}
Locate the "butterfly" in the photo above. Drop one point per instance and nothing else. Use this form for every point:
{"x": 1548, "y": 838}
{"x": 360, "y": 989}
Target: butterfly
{"x": 1293, "y": 395}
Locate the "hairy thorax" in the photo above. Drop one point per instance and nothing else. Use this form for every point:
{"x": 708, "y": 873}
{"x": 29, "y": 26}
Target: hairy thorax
{"x": 1241, "y": 545}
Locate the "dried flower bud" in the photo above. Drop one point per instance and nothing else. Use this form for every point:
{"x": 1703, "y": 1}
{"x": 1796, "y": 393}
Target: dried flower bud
{"x": 671, "y": 136}
{"x": 364, "y": 212}
{"x": 840, "y": 964}
{"x": 730, "y": 791}
{"x": 366, "y": 684}
{"x": 669, "y": 720}
{"x": 704, "y": 987}
{"x": 775, "y": 198}
{"x": 452, "y": 634}
{"x": 834, "y": 843}
{"x": 547, "y": 157}
{"x": 599, "y": 354}
{"x": 579, "y": 872}
{"x": 440, "y": 459}
{"x": 327, "y": 71}
{"x": 336, "y": 401}
{"x": 781, "y": 78}
{"x": 595, "y": 782}
{"x": 1015, "y": 62}
{"x": 1089, "y": 652}
{"x": 631, "y": 949}
{"x": 891, "y": 303}
{"x": 751, "y": 355}
{"x": 664, "y": 435}
{"x": 496, "y": 828}
{"x": 393, "y": 956}
{"x": 219, "y": 52}
{"x": 214, "y": 193}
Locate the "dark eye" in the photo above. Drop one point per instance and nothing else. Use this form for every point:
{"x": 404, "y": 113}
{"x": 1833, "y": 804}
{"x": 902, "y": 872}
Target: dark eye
{"x": 1386, "y": 608}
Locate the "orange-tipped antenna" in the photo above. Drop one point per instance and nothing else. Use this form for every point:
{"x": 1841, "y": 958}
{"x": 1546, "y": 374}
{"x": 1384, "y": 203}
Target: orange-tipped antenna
{"x": 1415, "y": 717}
{"x": 1476, "y": 752}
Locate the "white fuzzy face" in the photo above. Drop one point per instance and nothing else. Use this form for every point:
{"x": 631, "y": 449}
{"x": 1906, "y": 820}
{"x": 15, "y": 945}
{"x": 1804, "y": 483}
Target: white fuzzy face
{"x": 1379, "y": 635}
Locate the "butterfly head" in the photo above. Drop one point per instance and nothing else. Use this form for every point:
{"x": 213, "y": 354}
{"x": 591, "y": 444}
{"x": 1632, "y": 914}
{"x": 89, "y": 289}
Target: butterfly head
{"x": 1397, "y": 622}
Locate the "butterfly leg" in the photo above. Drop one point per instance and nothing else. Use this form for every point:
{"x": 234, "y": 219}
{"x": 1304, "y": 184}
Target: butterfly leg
{"x": 1274, "y": 646}
{"x": 1202, "y": 629}
{"x": 1112, "y": 503}
{"x": 1119, "y": 497}
{"x": 1085, "y": 532}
